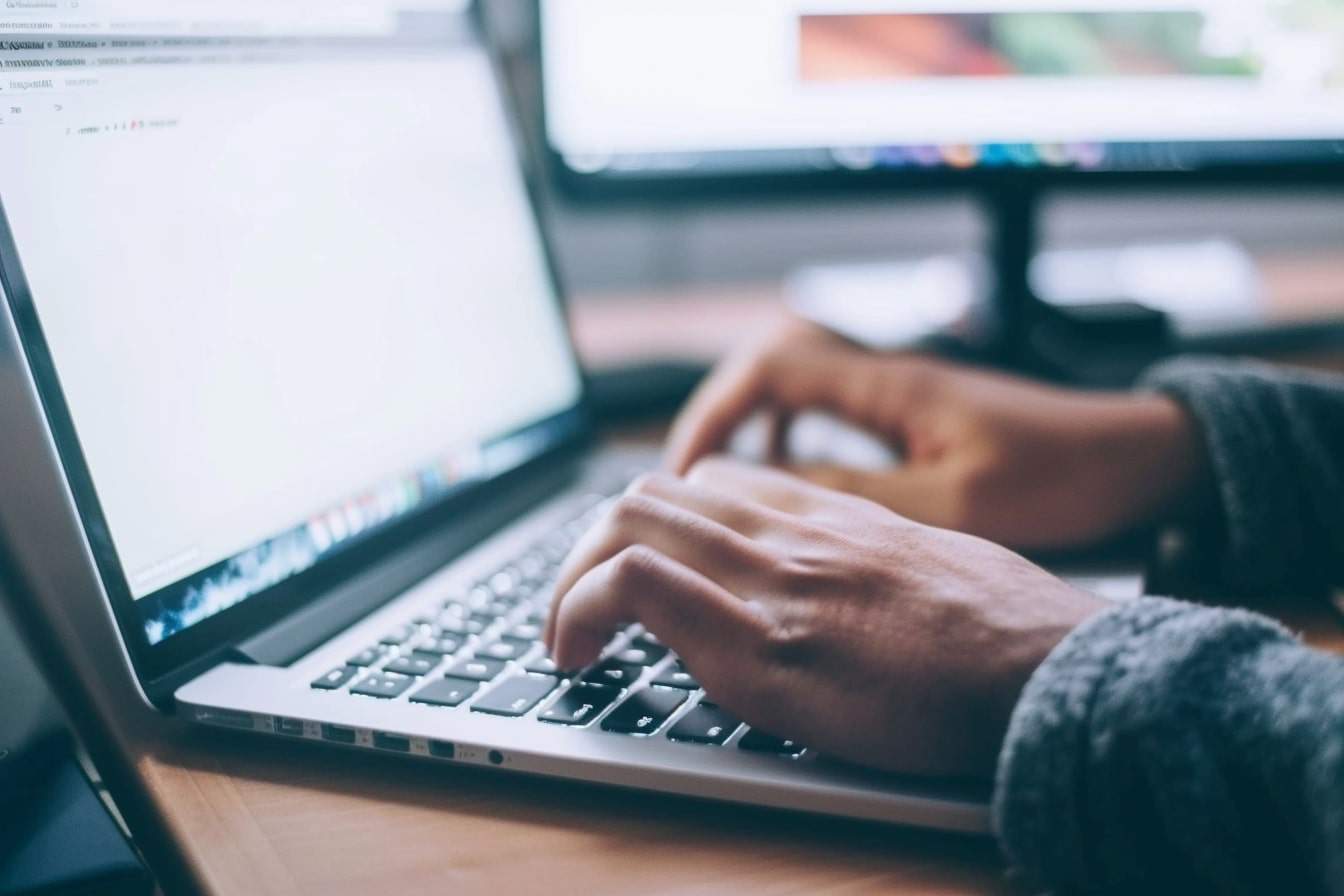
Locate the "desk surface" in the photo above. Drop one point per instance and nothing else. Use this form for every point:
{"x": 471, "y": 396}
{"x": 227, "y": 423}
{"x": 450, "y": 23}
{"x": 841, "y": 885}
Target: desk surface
{"x": 233, "y": 814}
{"x": 257, "y": 816}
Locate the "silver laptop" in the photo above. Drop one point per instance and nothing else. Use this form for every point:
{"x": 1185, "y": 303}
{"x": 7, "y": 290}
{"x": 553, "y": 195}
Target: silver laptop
{"x": 279, "y": 305}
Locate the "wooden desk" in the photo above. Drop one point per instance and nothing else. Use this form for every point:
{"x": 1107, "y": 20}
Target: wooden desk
{"x": 253, "y": 816}
{"x": 226, "y": 813}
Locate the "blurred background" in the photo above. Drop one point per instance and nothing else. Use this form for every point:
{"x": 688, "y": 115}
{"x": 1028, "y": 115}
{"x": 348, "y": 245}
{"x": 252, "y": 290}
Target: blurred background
{"x": 1268, "y": 250}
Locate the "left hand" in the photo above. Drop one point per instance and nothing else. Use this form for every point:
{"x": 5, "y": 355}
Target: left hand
{"x": 820, "y": 616}
{"x": 1024, "y": 464}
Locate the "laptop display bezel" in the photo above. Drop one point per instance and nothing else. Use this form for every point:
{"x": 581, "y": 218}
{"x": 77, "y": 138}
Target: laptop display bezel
{"x": 569, "y": 431}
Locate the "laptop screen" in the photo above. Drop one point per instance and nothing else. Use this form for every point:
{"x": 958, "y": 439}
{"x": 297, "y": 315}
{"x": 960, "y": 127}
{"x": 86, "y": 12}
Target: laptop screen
{"x": 285, "y": 265}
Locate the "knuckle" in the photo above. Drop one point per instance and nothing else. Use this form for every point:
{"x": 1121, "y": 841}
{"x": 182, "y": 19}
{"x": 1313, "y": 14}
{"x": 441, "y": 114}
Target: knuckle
{"x": 707, "y": 470}
{"x": 633, "y": 565}
{"x": 786, "y": 641}
{"x": 632, "y": 508}
{"x": 801, "y": 578}
{"x": 647, "y": 484}
{"x": 810, "y": 569}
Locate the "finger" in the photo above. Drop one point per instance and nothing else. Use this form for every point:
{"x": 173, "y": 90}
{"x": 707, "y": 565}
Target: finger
{"x": 780, "y": 424}
{"x": 878, "y": 394}
{"x": 707, "y": 545}
{"x": 919, "y": 494}
{"x": 727, "y": 397}
{"x": 690, "y": 613}
{"x": 734, "y": 510}
{"x": 776, "y": 489}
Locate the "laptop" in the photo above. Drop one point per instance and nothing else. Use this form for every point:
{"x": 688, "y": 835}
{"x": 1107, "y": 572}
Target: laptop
{"x": 279, "y": 308}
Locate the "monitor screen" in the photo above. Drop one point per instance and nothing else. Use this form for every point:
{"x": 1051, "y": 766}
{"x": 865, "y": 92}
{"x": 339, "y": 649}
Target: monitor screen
{"x": 687, "y": 88}
{"x": 286, "y": 269}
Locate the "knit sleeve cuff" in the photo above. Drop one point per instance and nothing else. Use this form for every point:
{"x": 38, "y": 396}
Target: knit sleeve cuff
{"x": 1040, "y": 786}
{"x": 1247, "y": 429}
{"x": 1129, "y": 700}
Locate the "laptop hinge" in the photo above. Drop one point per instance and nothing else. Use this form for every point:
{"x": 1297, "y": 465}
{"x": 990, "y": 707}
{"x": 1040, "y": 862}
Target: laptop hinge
{"x": 302, "y": 631}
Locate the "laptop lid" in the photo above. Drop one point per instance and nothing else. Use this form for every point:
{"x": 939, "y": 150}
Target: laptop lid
{"x": 281, "y": 290}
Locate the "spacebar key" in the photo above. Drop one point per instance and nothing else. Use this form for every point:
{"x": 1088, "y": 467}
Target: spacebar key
{"x": 645, "y": 711}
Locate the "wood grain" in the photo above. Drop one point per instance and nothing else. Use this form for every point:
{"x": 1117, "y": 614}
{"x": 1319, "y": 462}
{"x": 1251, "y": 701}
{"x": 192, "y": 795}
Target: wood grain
{"x": 255, "y": 816}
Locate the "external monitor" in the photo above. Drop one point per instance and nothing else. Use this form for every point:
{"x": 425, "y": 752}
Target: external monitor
{"x": 688, "y": 98}
{"x": 940, "y": 91}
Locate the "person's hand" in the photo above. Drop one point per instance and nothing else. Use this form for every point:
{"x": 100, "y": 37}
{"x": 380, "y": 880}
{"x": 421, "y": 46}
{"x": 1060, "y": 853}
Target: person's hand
{"x": 818, "y": 615}
{"x": 1023, "y": 464}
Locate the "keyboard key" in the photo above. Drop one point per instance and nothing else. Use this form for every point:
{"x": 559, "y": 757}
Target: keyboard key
{"x": 525, "y": 631}
{"x": 417, "y": 662}
{"x": 644, "y": 712}
{"x": 531, "y": 565}
{"x": 442, "y": 645}
{"x": 464, "y": 623}
{"x": 705, "y": 724}
{"x": 335, "y": 678}
{"x": 446, "y": 691}
{"x": 449, "y": 625}
{"x": 760, "y": 742}
{"x": 580, "y": 704}
{"x": 504, "y": 582}
{"x": 381, "y": 684}
{"x": 641, "y": 655}
{"x": 541, "y": 663}
{"x": 504, "y": 650}
{"x": 399, "y": 635}
{"x": 676, "y": 676}
{"x": 515, "y": 696}
{"x": 477, "y": 668}
{"x": 366, "y": 657}
{"x": 614, "y": 672}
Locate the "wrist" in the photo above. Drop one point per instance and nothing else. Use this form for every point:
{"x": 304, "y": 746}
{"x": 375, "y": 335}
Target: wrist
{"x": 1151, "y": 451}
{"x": 1026, "y": 644}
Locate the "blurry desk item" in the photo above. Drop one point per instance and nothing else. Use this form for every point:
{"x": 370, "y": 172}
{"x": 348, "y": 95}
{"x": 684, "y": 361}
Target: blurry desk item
{"x": 233, "y": 814}
{"x": 705, "y": 322}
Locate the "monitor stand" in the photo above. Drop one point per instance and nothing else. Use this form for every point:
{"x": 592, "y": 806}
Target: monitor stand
{"x": 1097, "y": 344}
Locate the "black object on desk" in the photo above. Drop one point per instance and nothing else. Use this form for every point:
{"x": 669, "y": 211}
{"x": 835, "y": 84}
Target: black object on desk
{"x": 637, "y": 392}
{"x": 57, "y": 836}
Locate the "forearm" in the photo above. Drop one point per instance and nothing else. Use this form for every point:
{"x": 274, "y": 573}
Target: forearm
{"x": 1165, "y": 747}
{"x": 1275, "y": 443}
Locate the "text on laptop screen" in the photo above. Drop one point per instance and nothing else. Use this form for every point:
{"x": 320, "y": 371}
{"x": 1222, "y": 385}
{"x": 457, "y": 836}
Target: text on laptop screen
{"x": 291, "y": 285}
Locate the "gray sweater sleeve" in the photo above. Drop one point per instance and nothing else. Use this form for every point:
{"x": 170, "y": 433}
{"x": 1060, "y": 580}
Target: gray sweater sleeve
{"x": 1169, "y": 748}
{"x": 1276, "y": 449}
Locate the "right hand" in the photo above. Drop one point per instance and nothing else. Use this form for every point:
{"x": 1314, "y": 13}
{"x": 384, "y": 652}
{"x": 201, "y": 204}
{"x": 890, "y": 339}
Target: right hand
{"x": 1024, "y": 464}
{"x": 818, "y": 615}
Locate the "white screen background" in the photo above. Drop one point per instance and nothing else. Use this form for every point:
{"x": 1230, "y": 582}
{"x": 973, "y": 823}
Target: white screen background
{"x": 324, "y": 273}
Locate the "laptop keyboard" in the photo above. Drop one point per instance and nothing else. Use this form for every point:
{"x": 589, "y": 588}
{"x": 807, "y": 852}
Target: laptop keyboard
{"x": 480, "y": 651}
